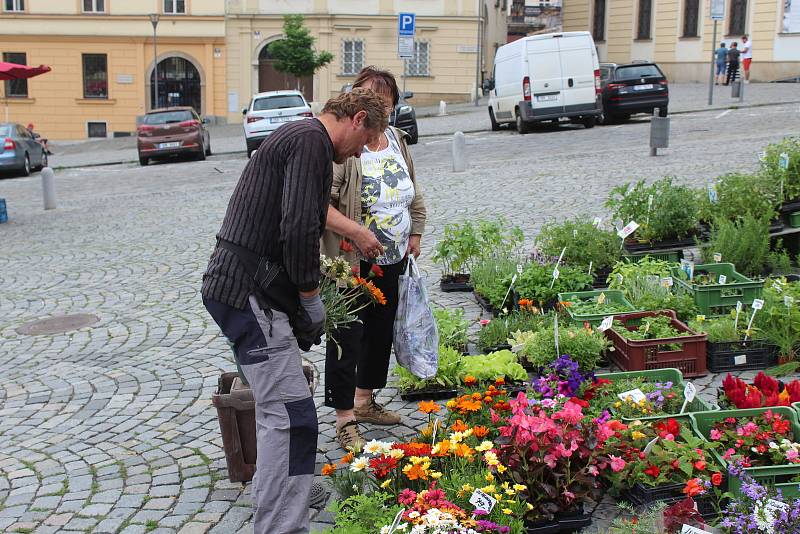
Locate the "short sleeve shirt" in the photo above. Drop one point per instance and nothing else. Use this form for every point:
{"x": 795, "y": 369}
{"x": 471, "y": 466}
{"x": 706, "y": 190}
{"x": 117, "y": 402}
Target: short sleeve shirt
{"x": 747, "y": 50}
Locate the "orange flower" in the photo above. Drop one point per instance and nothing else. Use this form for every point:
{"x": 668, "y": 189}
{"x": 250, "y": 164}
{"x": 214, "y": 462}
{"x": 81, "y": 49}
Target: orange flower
{"x": 480, "y": 431}
{"x": 346, "y": 459}
{"x": 470, "y": 380}
{"x": 429, "y": 407}
{"x": 463, "y": 450}
{"x": 416, "y": 471}
{"x": 328, "y": 470}
{"x": 444, "y": 447}
{"x": 468, "y": 405}
{"x": 345, "y": 246}
{"x": 565, "y": 303}
{"x": 501, "y": 381}
{"x": 458, "y": 426}
{"x": 694, "y": 487}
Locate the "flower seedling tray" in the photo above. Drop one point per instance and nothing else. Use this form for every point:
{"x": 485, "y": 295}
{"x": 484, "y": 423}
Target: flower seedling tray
{"x": 437, "y": 393}
{"x": 718, "y": 298}
{"x": 612, "y": 295}
{"x": 632, "y": 245}
{"x": 541, "y": 527}
{"x": 741, "y": 355}
{"x": 643, "y": 496}
{"x": 778, "y": 476}
{"x": 455, "y": 282}
{"x": 661, "y": 375}
{"x": 642, "y": 355}
{"x": 673, "y": 256}
{"x": 483, "y": 302}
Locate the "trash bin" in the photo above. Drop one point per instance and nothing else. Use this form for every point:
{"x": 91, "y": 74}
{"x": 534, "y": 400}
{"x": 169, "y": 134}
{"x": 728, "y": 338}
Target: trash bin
{"x": 236, "y": 412}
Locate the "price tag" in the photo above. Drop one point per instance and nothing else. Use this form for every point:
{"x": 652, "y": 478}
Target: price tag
{"x": 481, "y": 501}
{"x": 758, "y": 304}
{"x": 740, "y": 360}
{"x": 666, "y": 281}
{"x": 596, "y": 222}
{"x": 723, "y": 279}
{"x": 717, "y": 257}
{"x": 788, "y": 301}
{"x": 688, "y": 529}
{"x": 606, "y": 324}
{"x": 649, "y": 445}
{"x": 635, "y": 395}
{"x": 628, "y": 229}
{"x": 652, "y": 279}
{"x": 762, "y": 156}
{"x": 783, "y": 161}
{"x": 712, "y": 194}
{"x": 396, "y": 522}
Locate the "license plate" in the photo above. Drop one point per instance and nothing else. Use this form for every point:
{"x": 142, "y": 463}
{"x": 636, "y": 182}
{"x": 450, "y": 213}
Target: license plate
{"x": 643, "y": 87}
{"x": 169, "y": 145}
{"x": 282, "y": 119}
{"x": 546, "y": 98}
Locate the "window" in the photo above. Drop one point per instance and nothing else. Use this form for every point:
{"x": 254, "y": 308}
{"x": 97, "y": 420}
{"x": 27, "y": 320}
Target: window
{"x": 14, "y": 5}
{"x": 645, "y": 16}
{"x": 279, "y": 102}
{"x": 738, "y": 17}
{"x": 95, "y": 76}
{"x": 418, "y": 65}
{"x": 175, "y": 7}
{"x": 352, "y": 56}
{"x": 97, "y": 129}
{"x": 691, "y": 15}
{"x": 94, "y": 6}
{"x": 599, "y": 22}
{"x": 168, "y": 117}
{"x": 16, "y": 88}
{"x": 638, "y": 71}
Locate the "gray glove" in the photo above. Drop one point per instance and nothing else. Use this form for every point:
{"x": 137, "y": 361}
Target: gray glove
{"x": 311, "y": 321}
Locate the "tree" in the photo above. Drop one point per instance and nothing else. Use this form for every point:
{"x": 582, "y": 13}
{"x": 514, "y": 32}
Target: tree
{"x": 295, "y": 53}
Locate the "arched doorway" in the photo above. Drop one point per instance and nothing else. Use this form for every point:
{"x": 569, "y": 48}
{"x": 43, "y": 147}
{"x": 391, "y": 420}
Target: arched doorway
{"x": 178, "y": 84}
{"x": 270, "y": 79}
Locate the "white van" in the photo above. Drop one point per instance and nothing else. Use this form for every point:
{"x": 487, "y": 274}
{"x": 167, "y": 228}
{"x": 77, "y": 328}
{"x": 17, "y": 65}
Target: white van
{"x": 546, "y": 77}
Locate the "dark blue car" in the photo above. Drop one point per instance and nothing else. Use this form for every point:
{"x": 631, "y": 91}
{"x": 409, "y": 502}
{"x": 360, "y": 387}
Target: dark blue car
{"x": 20, "y": 151}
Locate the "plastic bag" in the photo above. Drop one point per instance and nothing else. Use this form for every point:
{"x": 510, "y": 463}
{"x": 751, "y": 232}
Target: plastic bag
{"x": 416, "y": 339}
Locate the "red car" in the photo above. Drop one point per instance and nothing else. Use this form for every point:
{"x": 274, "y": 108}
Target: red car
{"x": 170, "y": 131}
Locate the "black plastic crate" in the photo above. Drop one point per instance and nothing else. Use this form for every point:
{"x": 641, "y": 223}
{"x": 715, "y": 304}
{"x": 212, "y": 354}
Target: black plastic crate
{"x": 455, "y": 282}
{"x": 429, "y": 394}
{"x": 755, "y": 353}
{"x": 641, "y": 495}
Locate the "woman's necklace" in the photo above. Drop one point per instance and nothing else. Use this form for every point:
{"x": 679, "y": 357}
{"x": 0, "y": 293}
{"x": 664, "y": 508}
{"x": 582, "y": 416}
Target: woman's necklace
{"x": 380, "y": 144}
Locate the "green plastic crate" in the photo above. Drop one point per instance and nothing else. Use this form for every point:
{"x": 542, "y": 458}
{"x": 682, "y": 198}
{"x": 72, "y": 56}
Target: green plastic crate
{"x": 707, "y": 298}
{"x": 662, "y": 375}
{"x": 794, "y": 219}
{"x": 777, "y": 476}
{"x": 612, "y": 295}
{"x": 673, "y": 256}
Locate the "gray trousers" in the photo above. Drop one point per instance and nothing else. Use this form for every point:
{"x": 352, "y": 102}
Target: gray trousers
{"x": 286, "y": 418}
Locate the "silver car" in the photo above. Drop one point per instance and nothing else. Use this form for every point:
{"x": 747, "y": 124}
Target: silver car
{"x": 267, "y": 111}
{"x": 20, "y": 151}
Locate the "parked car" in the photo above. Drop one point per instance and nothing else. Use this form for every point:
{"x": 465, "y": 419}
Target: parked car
{"x": 21, "y": 151}
{"x": 171, "y": 131}
{"x": 545, "y": 78}
{"x": 403, "y": 115}
{"x": 639, "y": 87}
{"x": 267, "y": 111}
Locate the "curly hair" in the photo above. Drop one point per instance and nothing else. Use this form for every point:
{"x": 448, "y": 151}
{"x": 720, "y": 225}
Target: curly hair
{"x": 360, "y": 99}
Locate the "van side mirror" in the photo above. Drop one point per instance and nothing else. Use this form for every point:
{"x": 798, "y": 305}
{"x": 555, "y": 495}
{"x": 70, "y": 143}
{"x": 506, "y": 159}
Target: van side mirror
{"x": 491, "y": 84}
{"x": 408, "y": 94}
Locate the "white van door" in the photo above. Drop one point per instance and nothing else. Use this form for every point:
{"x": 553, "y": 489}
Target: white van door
{"x": 545, "y": 72}
{"x": 507, "y": 83}
{"x": 577, "y": 67}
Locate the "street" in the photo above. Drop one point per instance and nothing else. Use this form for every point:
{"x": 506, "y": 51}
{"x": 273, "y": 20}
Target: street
{"x": 110, "y": 428}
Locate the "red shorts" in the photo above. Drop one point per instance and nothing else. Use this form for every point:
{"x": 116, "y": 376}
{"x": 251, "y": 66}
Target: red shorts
{"x": 746, "y": 63}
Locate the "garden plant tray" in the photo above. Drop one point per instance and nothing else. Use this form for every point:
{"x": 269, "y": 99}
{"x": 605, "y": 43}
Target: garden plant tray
{"x": 612, "y": 295}
{"x": 437, "y": 393}
{"x": 483, "y": 302}
{"x": 455, "y": 282}
{"x": 632, "y": 245}
{"x": 778, "y": 475}
{"x": 710, "y": 298}
{"x": 741, "y": 355}
{"x": 642, "y": 355}
{"x": 672, "y": 256}
{"x": 643, "y": 496}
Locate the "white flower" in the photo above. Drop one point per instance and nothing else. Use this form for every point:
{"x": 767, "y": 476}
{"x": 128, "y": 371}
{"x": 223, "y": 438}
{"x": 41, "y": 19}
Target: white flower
{"x": 385, "y": 530}
{"x": 773, "y": 445}
{"x": 376, "y": 447}
{"x": 359, "y": 464}
{"x": 396, "y": 453}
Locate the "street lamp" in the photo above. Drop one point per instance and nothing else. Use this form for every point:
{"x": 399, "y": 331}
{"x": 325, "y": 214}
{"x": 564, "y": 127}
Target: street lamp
{"x": 154, "y": 22}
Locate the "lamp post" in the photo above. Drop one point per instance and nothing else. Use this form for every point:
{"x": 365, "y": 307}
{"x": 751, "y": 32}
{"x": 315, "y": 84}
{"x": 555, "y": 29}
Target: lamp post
{"x": 478, "y": 54}
{"x": 154, "y": 22}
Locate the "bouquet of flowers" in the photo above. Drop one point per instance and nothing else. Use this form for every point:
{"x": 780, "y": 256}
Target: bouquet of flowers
{"x": 344, "y": 293}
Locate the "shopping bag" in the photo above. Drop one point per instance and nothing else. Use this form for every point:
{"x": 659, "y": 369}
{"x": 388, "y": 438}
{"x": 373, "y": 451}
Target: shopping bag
{"x": 416, "y": 339}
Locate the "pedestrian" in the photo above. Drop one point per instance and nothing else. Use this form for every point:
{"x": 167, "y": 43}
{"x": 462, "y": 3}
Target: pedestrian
{"x": 747, "y": 57}
{"x": 262, "y": 289}
{"x": 377, "y": 205}
{"x": 39, "y": 139}
{"x": 733, "y": 63}
{"x": 721, "y": 55}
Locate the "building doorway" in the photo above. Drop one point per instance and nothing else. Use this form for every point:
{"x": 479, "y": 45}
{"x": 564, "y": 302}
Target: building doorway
{"x": 178, "y": 84}
{"x": 270, "y": 79}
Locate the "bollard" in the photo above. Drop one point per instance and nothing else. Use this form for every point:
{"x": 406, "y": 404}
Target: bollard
{"x": 442, "y": 108}
{"x": 736, "y": 88}
{"x": 459, "y": 152}
{"x": 3, "y": 211}
{"x": 659, "y": 133}
{"x": 49, "y": 188}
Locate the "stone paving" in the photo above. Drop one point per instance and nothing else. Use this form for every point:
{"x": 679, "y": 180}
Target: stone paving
{"x": 110, "y": 428}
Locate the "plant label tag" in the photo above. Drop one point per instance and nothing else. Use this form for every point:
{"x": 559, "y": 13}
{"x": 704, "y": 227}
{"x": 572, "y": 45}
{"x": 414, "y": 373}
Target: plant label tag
{"x": 717, "y": 257}
{"x": 758, "y": 304}
{"x": 635, "y": 395}
{"x": 666, "y": 281}
{"x": 481, "y": 501}
{"x": 596, "y": 222}
{"x": 740, "y": 360}
{"x": 606, "y": 324}
{"x": 738, "y": 311}
{"x": 783, "y": 161}
{"x": 601, "y": 299}
{"x": 649, "y": 202}
{"x": 723, "y": 279}
{"x": 688, "y": 268}
{"x": 738, "y": 306}
{"x": 575, "y": 233}
{"x": 619, "y": 278}
{"x": 519, "y": 268}
{"x": 556, "y": 273}
{"x": 689, "y": 391}
{"x": 712, "y": 194}
{"x": 649, "y": 445}
{"x": 762, "y": 156}
{"x": 590, "y": 268}
{"x": 628, "y": 229}
{"x": 689, "y": 529}
{"x": 433, "y": 433}
{"x": 788, "y": 301}
{"x": 396, "y": 522}
{"x": 652, "y": 279}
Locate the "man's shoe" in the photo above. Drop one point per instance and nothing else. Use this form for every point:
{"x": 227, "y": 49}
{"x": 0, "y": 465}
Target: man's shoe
{"x": 376, "y": 414}
{"x": 349, "y": 436}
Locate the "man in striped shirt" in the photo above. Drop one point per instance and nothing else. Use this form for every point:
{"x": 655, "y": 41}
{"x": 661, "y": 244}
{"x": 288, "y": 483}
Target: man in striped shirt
{"x": 277, "y": 212}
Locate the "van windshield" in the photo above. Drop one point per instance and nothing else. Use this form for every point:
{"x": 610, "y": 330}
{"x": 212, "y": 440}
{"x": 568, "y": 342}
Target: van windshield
{"x": 278, "y": 102}
{"x": 638, "y": 71}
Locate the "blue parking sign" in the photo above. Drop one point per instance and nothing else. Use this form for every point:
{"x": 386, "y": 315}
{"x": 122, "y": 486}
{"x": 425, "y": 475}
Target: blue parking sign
{"x": 405, "y": 23}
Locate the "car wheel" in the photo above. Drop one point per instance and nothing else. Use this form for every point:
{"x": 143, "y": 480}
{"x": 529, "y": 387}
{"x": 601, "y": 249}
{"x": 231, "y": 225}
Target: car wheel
{"x": 414, "y": 138}
{"x": 588, "y": 122}
{"x": 208, "y": 149}
{"x": 495, "y": 125}
{"x": 522, "y": 126}
{"x": 143, "y": 161}
{"x": 26, "y": 166}
{"x": 201, "y": 156}
{"x": 662, "y": 112}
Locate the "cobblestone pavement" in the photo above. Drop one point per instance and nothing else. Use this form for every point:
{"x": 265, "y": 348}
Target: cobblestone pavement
{"x": 109, "y": 428}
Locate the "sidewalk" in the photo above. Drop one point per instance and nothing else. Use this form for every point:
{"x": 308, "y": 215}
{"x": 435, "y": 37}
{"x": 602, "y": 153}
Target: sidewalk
{"x": 463, "y": 116}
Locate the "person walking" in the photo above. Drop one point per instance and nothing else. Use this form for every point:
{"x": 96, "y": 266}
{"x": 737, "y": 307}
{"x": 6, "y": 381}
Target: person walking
{"x": 733, "y": 63}
{"x": 721, "y": 56}
{"x": 262, "y": 288}
{"x": 747, "y": 57}
{"x": 376, "y": 205}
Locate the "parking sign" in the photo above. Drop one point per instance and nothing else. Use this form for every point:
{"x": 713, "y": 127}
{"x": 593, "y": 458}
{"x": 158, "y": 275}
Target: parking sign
{"x": 406, "y": 23}
{"x": 717, "y": 9}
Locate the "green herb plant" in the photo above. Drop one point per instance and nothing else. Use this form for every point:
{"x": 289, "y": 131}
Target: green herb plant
{"x": 536, "y": 279}
{"x": 739, "y": 195}
{"x": 463, "y": 244}
{"x": 790, "y": 176}
{"x": 744, "y": 242}
{"x": 488, "y": 367}
{"x": 725, "y": 329}
{"x": 452, "y": 327}
{"x": 448, "y": 375}
{"x": 498, "y": 330}
{"x": 584, "y": 242}
{"x": 584, "y": 345}
{"x": 363, "y": 513}
{"x": 641, "y": 284}
{"x": 489, "y": 275}
{"x": 781, "y": 323}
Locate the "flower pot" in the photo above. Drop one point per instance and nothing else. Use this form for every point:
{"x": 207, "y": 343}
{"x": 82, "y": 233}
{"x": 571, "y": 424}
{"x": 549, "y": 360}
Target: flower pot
{"x": 573, "y": 522}
{"x": 430, "y": 393}
{"x": 542, "y": 527}
{"x": 455, "y": 282}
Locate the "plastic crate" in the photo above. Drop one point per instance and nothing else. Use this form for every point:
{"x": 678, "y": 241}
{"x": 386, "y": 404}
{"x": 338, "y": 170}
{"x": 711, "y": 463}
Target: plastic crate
{"x": 661, "y": 375}
{"x": 778, "y": 476}
{"x": 707, "y": 298}
{"x": 612, "y": 295}
{"x": 643, "y": 355}
{"x": 236, "y": 412}
{"x": 643, "y": 496}
{"x": 741, "y": 355}
{"x": 672, "y": 256}
{"x": 794, "y": 219}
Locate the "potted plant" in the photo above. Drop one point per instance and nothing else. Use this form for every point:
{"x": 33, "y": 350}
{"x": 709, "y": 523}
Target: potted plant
{"x": 584, "y": 345}
{"x": 779, "y": 320}
{"x": 452, "y": 328}
{"x": 730, "y": 345}
{"x": 787, "y": 179}
{"x": 488, "y": 277}
{"x": 763, "y": 392}
{"x": 444, "y": 385}
{"x": 537, "y": 284}
{"x": 736, "y": 195}
{"x": 591, "y": 307}
{"x": 743, "y": 242}
{"x": 494, "y": 334}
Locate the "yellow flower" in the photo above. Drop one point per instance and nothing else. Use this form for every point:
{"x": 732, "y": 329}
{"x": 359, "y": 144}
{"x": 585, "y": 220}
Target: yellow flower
{"x": 501, "y": 468}
{"x": 497, "y": 497}
{"x": 491, "y": 458}
{"x": 396, "y": 454}
{"x": 510, "y": 492}
{"x": 529, "y": 505}
{"x": 638, "y": 435}
{"x": 520, "y": 487}
{"x": 505, "y": 485}
{"x": 450, "y": 404}
{"x": 467, "y": 488}
{"x": 385, "y": 483}
{"x": 507, "y": 511}
{"x": 489, "y": 477}
{"x": 436, "y": 475}
{"x": 488, "y": 489}
{"x": 617, "y": 404}
{"x": 485, "y": 446}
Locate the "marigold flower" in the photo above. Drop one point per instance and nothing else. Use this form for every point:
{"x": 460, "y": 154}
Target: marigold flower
{"x": 346, "y": 459}
{"x": 463, "y": 450}
{"x": 500, "y": 381}
{"x": 470, "y": 380}
{"x": 458, "y": 426}
{"x": 480, "y": 432}
{"x": 415, "y": 471}
{"x": 328, "y": 470}
{"x": 429, "y": 407}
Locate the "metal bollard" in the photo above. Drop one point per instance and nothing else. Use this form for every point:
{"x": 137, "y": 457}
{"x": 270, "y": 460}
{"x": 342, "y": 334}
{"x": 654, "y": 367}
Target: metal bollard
{"x": 442, "y": 108}
{"x": 49, "y": 188}
{"x": 736, "y": 88}
{"x": 459, "y": 152}
{"x": 659, "y": 133}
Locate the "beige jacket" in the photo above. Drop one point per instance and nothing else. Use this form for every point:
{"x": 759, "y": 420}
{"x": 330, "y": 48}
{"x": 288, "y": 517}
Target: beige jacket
{"x": 346, "y": 197}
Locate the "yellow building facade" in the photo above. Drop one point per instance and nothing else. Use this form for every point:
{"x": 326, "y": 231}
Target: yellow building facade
{"x": 101, "y": 55}
{"x": 678, "y": 34}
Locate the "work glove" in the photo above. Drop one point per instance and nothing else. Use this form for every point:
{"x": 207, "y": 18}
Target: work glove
{"x": 310, "y": 322}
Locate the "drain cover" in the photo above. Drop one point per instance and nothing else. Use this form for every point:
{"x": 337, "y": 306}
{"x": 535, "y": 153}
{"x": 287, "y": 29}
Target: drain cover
{"x": 58, "y": 324}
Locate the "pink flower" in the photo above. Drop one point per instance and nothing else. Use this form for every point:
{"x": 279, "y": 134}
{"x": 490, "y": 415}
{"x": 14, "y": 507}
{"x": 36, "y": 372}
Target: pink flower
{"x": 548, "y": 403}
{"x": 484, "y": 322}
{"x": 593, "y": 470}
{"x": 550, "y": 460}
{"x": 495, "y": 417}
{"x": 407, "y": 497}
{"x": 563, "y": 451}
{"x": 617, "y": 463}
{"x": 728, "y": 454}
{"x": 568, "y": 495}
{"x": 571, "y": 413}
{"x": 715, "y": 434}
{"x": 792, "y": 456}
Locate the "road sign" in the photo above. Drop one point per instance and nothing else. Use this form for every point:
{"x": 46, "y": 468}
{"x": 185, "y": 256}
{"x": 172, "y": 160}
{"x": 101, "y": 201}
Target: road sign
{"x": 406, "y": 25}
{"x": 717, "y": 9}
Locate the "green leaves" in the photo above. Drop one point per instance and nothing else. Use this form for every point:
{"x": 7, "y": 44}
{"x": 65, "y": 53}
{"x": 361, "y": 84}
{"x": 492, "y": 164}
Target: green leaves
{"x": 465, "y": 244}
{"x": 452, "y": 327}
{"x": 295, "y": 53}
{"x": 585, "y": 243}
{"x": 743, "y": 242}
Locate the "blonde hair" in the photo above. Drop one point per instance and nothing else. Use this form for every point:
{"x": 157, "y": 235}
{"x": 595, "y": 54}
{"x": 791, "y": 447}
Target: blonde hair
{"x": 360, "y": 99}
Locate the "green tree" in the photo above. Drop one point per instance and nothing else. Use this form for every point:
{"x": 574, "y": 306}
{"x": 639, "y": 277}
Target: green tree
{"x": 295, "y": 53}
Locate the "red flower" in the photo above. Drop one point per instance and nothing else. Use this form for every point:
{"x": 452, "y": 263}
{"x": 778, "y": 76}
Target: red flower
{"x": 345, "y": 246}
{"x": 670, "y": 427}
{"x": 793, "y": 388}
{"x": 383, "y": 465}
{"x": 766, "y": 384}
{"x": 700, "y": 465}
{"x": 377, "y": 271}
{"x": 653, "y": 471}
{"x": 716, "y": 479}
